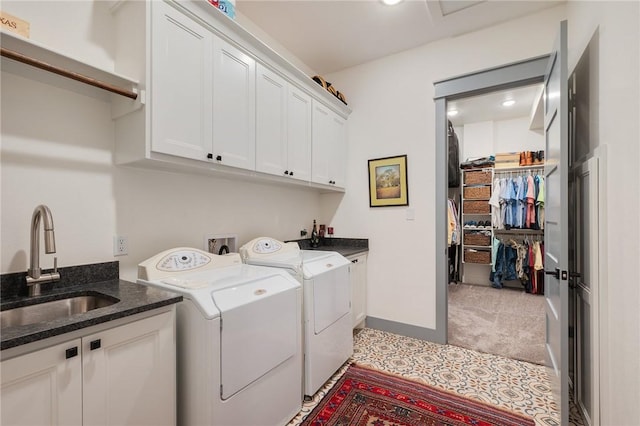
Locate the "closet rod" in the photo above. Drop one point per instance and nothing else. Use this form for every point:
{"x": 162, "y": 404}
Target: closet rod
{"x": 66, "y": 73}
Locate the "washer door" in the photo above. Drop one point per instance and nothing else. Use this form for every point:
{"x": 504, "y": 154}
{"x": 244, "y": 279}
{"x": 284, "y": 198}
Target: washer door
{"x": 259, "y": 330}
{"x": 331, "y": 297}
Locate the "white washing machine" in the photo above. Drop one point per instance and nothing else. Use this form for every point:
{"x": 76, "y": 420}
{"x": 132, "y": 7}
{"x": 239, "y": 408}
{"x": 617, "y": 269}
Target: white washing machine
{"x": 328, "y": 337}
{"x": 239, "y": 338}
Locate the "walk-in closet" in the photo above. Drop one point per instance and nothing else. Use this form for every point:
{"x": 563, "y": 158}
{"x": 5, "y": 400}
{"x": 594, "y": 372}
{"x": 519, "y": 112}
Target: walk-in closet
{"x": 496, "y": 224}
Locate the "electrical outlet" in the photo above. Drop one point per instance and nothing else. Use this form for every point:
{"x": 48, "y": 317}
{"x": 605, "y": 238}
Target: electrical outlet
{"x": 120, "y": 245}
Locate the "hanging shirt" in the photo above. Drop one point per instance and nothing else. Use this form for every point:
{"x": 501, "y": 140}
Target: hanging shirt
{"x": 453, "y": 232}
{"x": 494, "y": 201}
{"x": 504, "y": 196}
{"x": 494, "y": 253}
{"x": 537, "y": 253}
{"x": 510, "y": 200}
{"x": 540, "y": 202}
{"x": 521, "y": 197}
{"x": 531, "y": 212}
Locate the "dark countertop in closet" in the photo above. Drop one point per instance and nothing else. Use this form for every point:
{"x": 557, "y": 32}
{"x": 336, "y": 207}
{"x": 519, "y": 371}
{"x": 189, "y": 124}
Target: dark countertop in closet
{"x": 345, "y": 246}
{"x": 84, "y": 280}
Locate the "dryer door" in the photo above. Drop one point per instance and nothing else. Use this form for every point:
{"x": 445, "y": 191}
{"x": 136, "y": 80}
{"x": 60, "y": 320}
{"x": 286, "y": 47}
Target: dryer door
{"x": 259, "y": 330}
{"x": 331, "y": 297}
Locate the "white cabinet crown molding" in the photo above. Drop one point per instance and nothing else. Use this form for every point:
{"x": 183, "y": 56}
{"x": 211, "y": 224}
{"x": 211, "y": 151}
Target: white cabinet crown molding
{"x": 226, "y": 28}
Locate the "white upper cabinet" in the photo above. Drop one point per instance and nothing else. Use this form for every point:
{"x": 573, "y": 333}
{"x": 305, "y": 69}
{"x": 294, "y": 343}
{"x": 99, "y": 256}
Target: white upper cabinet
{"x": 329, "y": 147}
{"x": 234, "y": 106}
{"x": 299, "y": 134}
{"x": 271, "y": 122}
{"x": 212, "y": 93}
{"x": 181, "y": 73}
{"x": 338, "y": 151}
{"x": 283, "y": 127}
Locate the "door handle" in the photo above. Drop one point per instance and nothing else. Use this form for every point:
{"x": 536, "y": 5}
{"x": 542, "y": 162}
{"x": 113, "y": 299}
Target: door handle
{"x": 555, "y": 273}
{"x": 95, "y": 344}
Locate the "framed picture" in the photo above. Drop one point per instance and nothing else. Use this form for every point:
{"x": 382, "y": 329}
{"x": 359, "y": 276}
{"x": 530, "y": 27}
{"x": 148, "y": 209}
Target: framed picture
{"x": 388, "y": 182}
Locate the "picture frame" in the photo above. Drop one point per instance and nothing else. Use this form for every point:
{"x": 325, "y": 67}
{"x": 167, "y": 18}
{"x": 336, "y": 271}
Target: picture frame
{"x": 388, "y": 183}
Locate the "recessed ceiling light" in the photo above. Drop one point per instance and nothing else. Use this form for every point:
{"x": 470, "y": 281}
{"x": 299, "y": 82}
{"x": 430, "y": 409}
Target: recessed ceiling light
{"x": 391, "y": 2}
{"x": 452, "y": 112}
{"x": 508, "y": 103}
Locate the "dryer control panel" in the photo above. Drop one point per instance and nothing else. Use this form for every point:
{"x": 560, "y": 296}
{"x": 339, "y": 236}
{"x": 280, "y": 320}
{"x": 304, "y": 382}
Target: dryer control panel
{"x": 179, "y": 260}
{"x": 183, "y": 260}
{"x": 265, "y": 247}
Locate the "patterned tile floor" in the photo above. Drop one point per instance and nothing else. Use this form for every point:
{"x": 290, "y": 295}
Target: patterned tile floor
{"x": 515, "y": 385}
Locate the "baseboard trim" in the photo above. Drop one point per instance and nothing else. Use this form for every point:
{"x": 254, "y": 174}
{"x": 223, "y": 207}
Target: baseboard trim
{"x": 403, "y": 329}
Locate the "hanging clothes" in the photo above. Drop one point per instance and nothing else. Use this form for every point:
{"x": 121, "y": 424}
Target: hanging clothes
{"x": 494, "y": 201}
{"x": 515, "y": 260}
{"x": 518, "y": 202}
{"x": 540, "y": 203}
{"x": 453, "y": 229}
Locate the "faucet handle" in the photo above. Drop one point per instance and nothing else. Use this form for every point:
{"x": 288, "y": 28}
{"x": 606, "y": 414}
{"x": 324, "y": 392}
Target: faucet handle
{"x": 55, "y": 264}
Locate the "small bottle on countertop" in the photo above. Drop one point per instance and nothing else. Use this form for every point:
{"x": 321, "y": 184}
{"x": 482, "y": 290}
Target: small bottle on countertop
{"x": 315, "y": 241}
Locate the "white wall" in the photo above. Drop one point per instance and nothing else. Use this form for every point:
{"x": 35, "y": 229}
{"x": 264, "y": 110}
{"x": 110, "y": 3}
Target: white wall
{"x": 617, "y": 26}
{"x": 478, "y": 140}
{"x": 514, "y": 136}
{"x": 393, "y": 113}
{"x": 57, "y": 149}
{"x": 491, "y": 137}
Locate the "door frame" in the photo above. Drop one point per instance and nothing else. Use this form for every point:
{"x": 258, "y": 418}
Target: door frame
{"x": 517, "y": 74}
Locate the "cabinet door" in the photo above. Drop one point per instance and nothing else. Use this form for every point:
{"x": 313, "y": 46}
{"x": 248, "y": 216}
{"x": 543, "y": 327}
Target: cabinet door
{"x": 299, "y": 134}
{"x": 320, "y": 142}
{"x": 129, "y": 374}
{"x": 181, "y": 93}
{"x": 329, "y": 147}
{"x": 234, "y": 91}
{"x": 358, "y": 280}
{"x": 43, "y": 387}
{"x": 271, "y": 122}
{"x": 338, "y": 150}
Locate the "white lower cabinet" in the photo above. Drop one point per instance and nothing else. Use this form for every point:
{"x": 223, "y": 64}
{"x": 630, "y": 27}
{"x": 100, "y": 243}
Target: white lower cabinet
{"x": 358, "y": 281}
{"x": 43, "y": 387}
{"x": 120, "y": 376}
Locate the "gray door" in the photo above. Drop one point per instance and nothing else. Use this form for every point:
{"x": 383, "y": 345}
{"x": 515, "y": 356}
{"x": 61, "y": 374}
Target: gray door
{"x": 556, "y": 221}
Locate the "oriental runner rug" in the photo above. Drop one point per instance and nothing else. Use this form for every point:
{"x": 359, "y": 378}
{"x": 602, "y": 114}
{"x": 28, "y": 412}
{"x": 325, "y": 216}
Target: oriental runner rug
{"x": 366, "y": 397}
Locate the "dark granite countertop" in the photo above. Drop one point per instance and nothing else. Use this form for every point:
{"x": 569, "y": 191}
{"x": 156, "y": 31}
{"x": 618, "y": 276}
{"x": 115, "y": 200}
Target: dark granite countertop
{"x": 85, "y": 280}
{"x": 344, "y": 246}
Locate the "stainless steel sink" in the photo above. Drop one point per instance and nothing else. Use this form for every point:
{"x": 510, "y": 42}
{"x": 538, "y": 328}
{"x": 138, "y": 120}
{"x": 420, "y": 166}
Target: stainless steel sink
{"x": 55, "y": 309}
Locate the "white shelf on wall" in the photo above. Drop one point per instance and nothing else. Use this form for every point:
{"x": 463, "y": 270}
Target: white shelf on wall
{"x": 21, "y": 49}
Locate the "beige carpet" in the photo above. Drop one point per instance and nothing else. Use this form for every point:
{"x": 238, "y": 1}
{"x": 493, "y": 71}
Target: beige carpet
{"x": 506, "y": 322}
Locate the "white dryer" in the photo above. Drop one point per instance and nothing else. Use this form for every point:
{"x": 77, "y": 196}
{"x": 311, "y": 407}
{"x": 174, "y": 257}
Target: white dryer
{"x": 328, "y": 337}
{"x": 239, "y": 338}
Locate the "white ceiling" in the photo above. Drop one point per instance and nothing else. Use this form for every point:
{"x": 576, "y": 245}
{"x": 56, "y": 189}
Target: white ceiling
{"x": 489, "y": 107}
{"x": 331, "y": 35}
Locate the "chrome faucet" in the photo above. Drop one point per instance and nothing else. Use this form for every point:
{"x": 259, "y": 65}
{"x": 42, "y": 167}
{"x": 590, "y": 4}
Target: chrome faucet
{"x": 35, "y": 277}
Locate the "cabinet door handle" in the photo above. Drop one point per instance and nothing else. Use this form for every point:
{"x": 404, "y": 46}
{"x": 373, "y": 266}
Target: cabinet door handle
{"x": 95, "y": 344}
{"x": 286, "y": 172}
{"x": 290, "y": 173}
{"x": 354, "y": 261}
{"x": 218, "y": 157}
{"x": 71, "y": 352}
{"x": 210, "y": 156}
